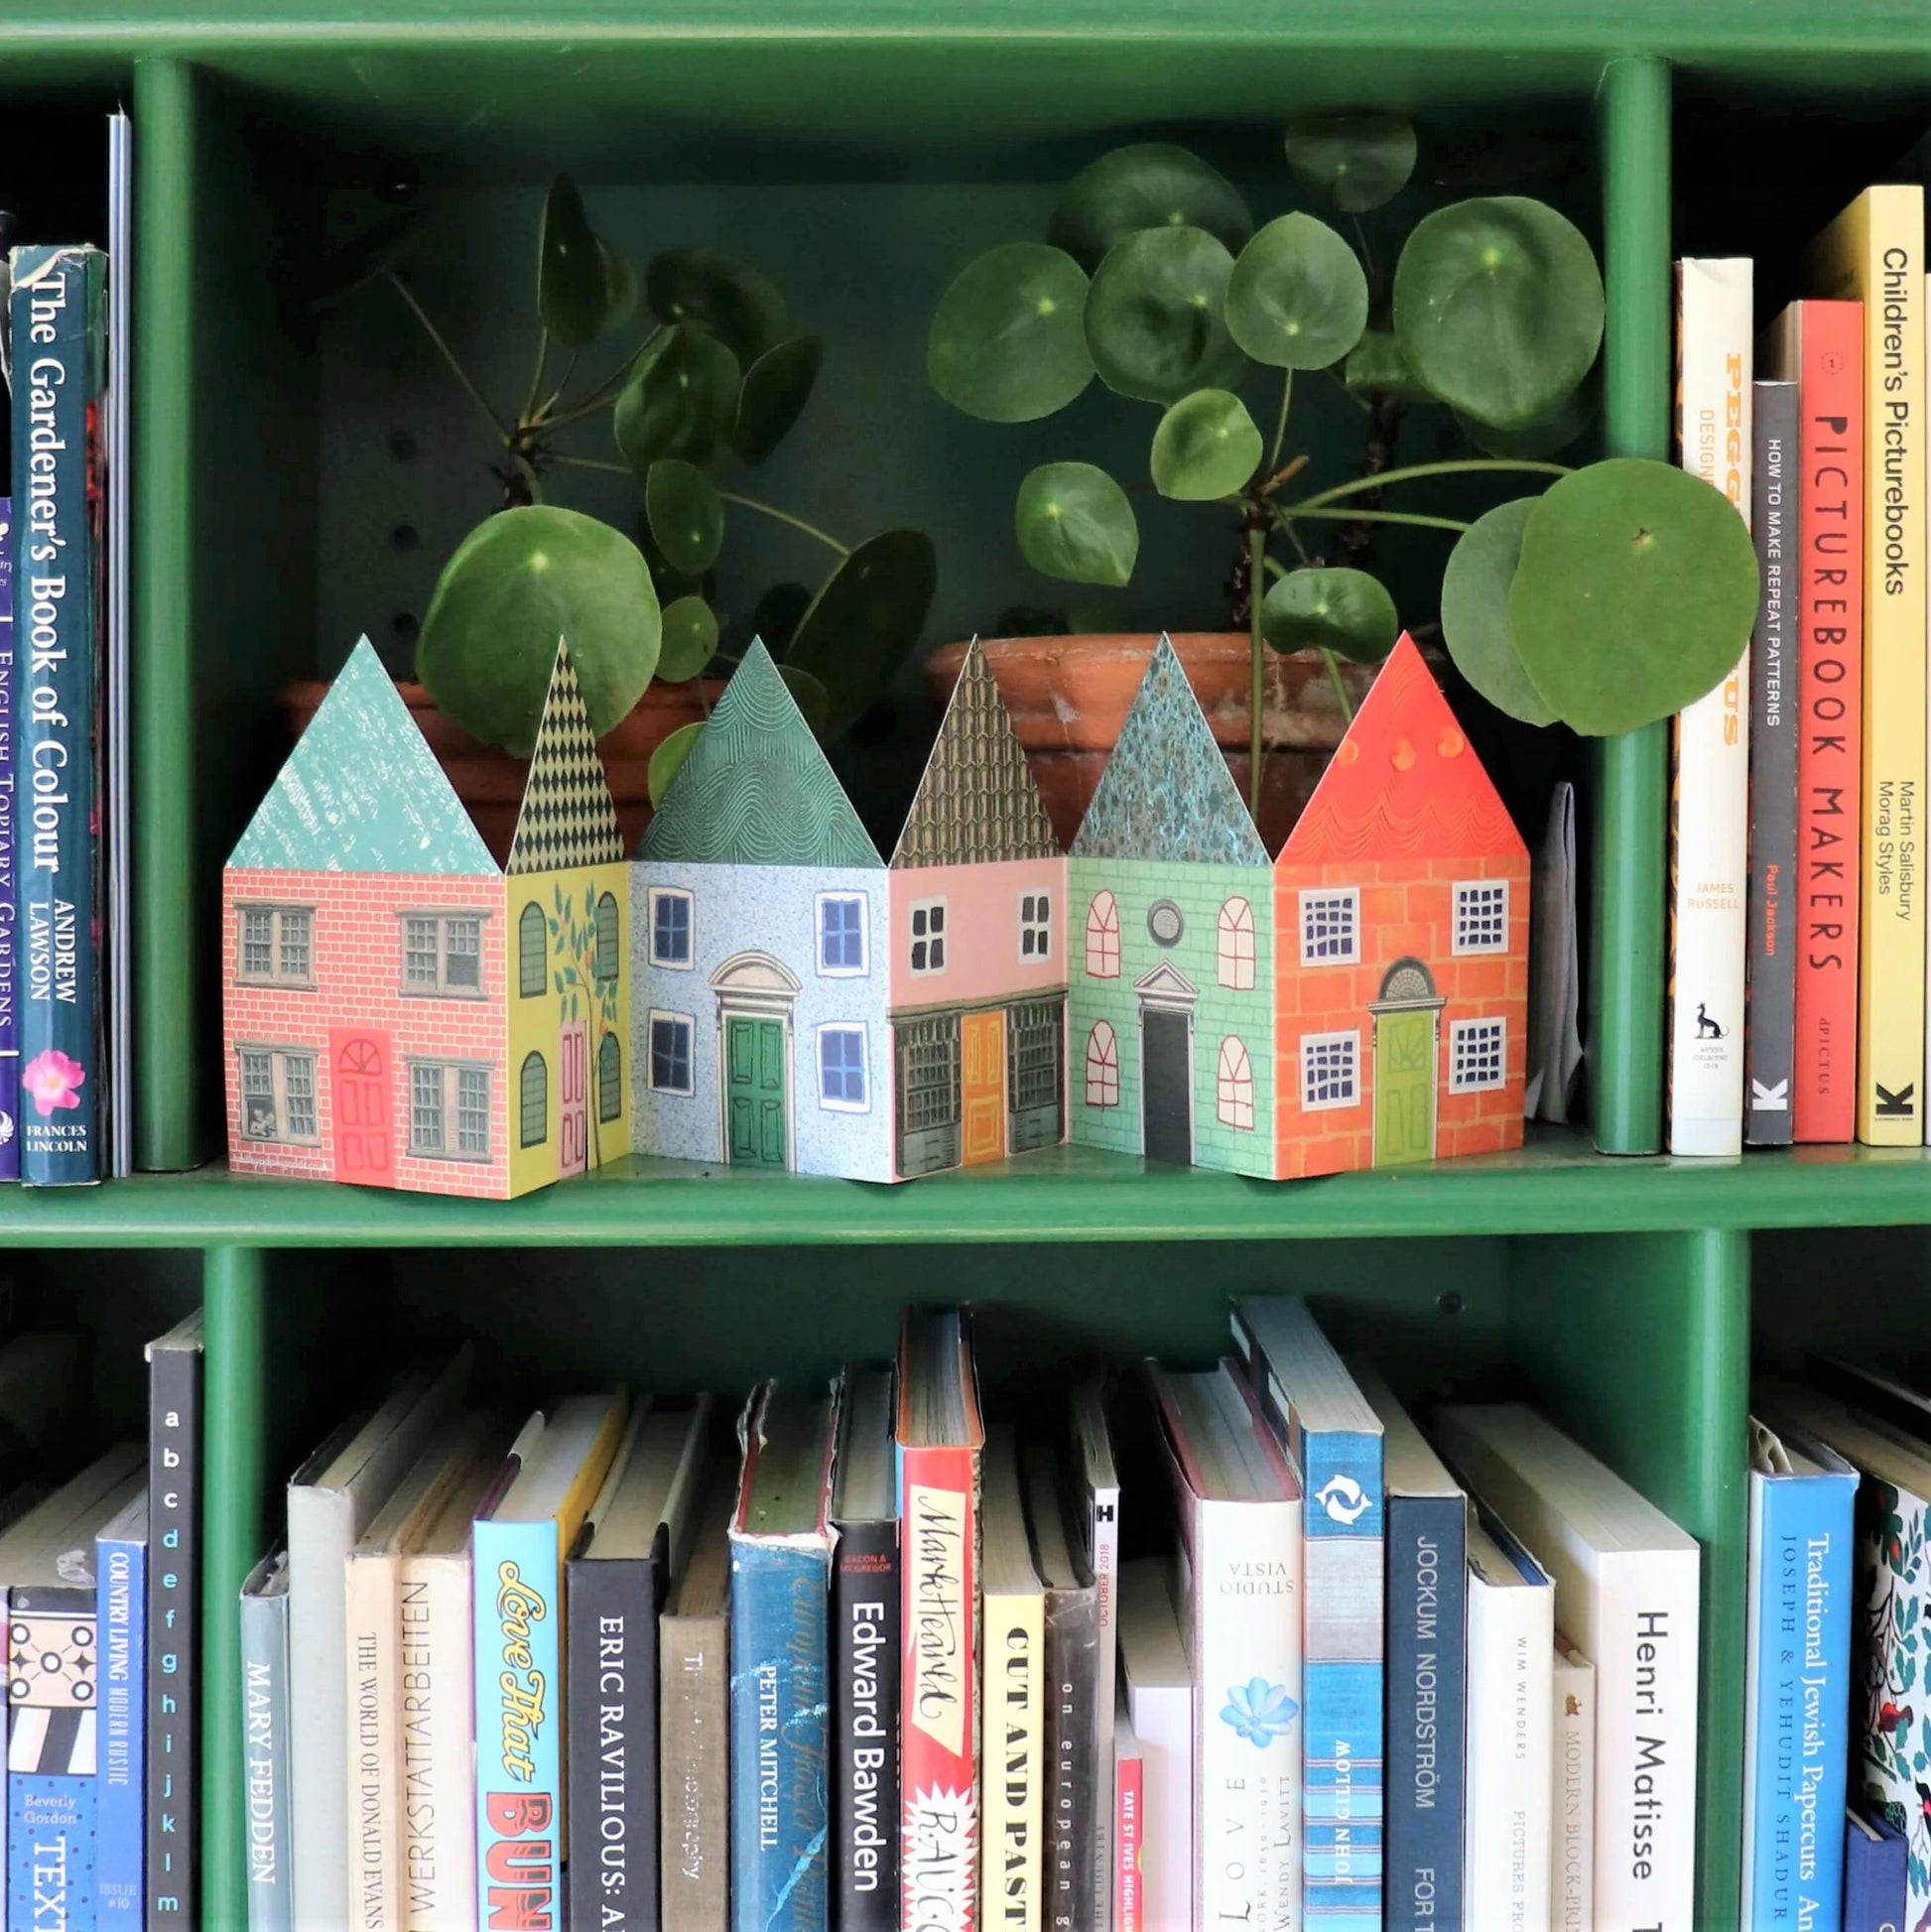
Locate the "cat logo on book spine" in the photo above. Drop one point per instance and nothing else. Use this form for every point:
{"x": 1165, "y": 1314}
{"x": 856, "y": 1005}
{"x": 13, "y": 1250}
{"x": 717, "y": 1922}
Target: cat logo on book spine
{"x": 1899, "y": 1105}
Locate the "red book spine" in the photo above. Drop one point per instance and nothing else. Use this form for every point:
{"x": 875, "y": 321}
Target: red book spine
{"x": 1127, "y": 1826}
{"x": 1830, "y": 688}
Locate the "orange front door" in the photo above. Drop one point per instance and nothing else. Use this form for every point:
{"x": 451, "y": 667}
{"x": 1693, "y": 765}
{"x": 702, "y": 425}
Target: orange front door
{"x": 358, "y": 1068}
{"x": 983, "y": 1060}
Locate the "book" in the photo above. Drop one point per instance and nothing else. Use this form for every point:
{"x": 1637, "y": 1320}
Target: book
{"x": 781, "y": 1562}
{"x": 59, "y": 367}
{"x": 1012, "y": 1635}
{"x": 1332, "y": 1438}
{"x": 1427, "y": 1670}
{"x": 1874, "y": 1881}
{"x": 694, "y": 1673}
{"x": 940, "y": 1439}
{"x": 1769, "y": 1035}
{"x": 1572, "y": 1791}
{"x": 117, "y": 709}
{"x": 865, "y": 1606}
{"x": 1096, "y": 1485}
{"x": 1129, "y": 1802}
{"x": 1820, "y": 345}
{"x": 10, "y": 976}
{"x": 1710, "y": 780}
{"x": 121, "y": 1603}
{"x": 264, "y": 1612}
{"x": 1796, "y": 1678}
{"x": 174, "y": 1623}
{"x": 1873, "y": 254}
{"x": 1240, "y": 1514}
{"x": 632, "y": 1544}
{"x": 1627, "y": 1586}
{"x": 1159, "y": 1692}
{"x": 522, "y": 1693}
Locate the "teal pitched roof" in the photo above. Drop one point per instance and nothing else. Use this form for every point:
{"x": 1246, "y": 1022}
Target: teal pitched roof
{"x": 361, "y": 792}
{"x": 756, "y": 790}
{"x": 1166, "y": 792}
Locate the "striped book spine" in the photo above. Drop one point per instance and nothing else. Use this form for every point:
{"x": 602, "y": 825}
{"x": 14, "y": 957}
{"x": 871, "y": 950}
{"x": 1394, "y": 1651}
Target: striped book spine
{"x": 52, "y": 1729}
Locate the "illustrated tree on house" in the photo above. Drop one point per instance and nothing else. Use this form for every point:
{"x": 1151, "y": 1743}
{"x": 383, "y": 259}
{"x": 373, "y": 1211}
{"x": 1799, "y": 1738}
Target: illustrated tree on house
{"x": 582, "y": 992}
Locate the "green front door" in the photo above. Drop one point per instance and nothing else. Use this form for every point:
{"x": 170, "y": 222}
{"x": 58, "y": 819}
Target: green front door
{"x": 754, "y": 1093}
{"x": 1404, "y": 1088}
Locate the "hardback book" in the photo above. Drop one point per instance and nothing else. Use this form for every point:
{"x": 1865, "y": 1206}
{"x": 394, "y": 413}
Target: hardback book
{"x": 694, "y": 1673}
{"x": 1427, "y": 1670}
{"x": 940, "y": 1439}
{"x": 174, "y": 1774}
{"x": 1572, "y": 1791}
{"x": 1129, "y": 1810}
{"x": 1238, "y": 1506}
{"x": 1511, "y": 1641}
{"x": 1876, "y": 1883}
{"x": 265, "y": 1740}
{"x": 519, "y": 1540}
{"x": 119, "y": 707}
{"x": 1796, "y": 1677}
{"x": 865, "y": 1611}
{"x": 10, "y": 977}
{"x": 1776, "y": 513}
{"x": 1820, "y": 346}
{"x": 1012, "y": 1637}
{"x": 780, "y": 1565}
{"x": 1628, "y": 1591}
{"x": 1077, "y": 1781}
{"x": 1096, "y": 1485}
{"x": 1159, "y": 1688}
{"x": 121, "y": 1613}
{"x": 1334, "y": 1440}
{"x": 1873, "y": 254}
{"x": 1709, "y": 788}
{"x": 632, "y": 1545}
{"x": 58, "y": 339}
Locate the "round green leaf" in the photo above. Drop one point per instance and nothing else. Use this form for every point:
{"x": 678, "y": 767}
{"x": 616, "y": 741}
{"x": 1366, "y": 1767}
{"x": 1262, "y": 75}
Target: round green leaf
{"x": 1007, "y": 345}
{"x": 1545, "y": 436}
{"x": 572, "y": 287}
{"x": 1297, "y": 298}
{"x": 1634, "y": 593}
{"x": 667, "y": 760}
{"x": 777, "y": 387}
{"x": 681, "y": 400}
{"x": 864, "y": 623}
{"x": 737, "y": 302}
{"x": 1475, "y": 612}
{"x": 1075, "y": 522}
{"x": 517, "y": 584}
{"x": 1375, "y": 367}
{"x": 689, "y": 640}
{"x": 809, "y": 695}
{"x": 777, "y": 614}
{"x": 1206, "y": 445}
{"x": 686, "y": 515}
{"x": 1498, "y": 308}
{"x": 1151, "y": 184}
{"x": 1154, "y": 315}
{"x": 1359, "y": 161}
{"x": 1340, "y": 610}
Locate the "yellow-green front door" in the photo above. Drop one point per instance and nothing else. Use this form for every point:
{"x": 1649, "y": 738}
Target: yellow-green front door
{"x": 1404, "y": 1088}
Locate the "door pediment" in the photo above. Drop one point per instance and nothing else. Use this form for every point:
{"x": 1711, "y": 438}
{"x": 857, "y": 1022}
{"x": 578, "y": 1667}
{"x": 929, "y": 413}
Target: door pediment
{"x": 1166, "y": 986}
{"x": 758, "y": 975}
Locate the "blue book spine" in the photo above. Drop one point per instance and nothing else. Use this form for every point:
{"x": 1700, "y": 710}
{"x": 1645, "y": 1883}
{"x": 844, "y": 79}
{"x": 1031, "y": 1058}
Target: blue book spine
{"x": 779, "y": 1702}
{"x": 121, "y": 1570}
{"x": 1876, "y": 1883}
{"x": 53, "y": 1734}
{"x": 1427, "y": 1710}
{"x": 9, "y": 878}
{"x": 1797, "y": 1699}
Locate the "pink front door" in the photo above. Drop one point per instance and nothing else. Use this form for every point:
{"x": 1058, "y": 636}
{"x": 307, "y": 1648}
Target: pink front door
{"x": 360, "y": 1072}
{"x": 573, "y": 1085}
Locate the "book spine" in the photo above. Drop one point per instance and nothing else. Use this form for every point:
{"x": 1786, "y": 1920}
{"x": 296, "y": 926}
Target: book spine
{"x": 53, "y": 1734}
{"x": 59, "y": 369}
{"x": 1875, "y": 1882}
{"x": 1163, "y": 1721}
{"x": 1511, "y": 1634}
{"x": 9, "y": 864}
{"x": 695, "y": 1826}
{"x": 1776, "y": 511}
{"x": 610, "y": 1754}
{"x": 1074, "y": 1788}
{"x": 265, "y": 1733}
{"x": 121, "y": 1570}
{"x": 438, "y": 1645}
{"x": 939, "y": 1695}
{"x": 374, "y": 1745}
{"x": 519, "y": 1794}
{"x": 174, "y": 1623}
{"x": 864, "y": 1698}
{"x": 1572, "y": 1795}
{"x": 777, "y": 1738}
{"x": 1129, "y": 1808}
{"x": 1427, "y": 1618}
{"x": 1014, "y": 1637}
{"x": 1103, "y": 1555}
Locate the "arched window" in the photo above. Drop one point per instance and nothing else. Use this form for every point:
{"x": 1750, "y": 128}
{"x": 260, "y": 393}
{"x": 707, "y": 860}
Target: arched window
{"x": 609, "y": 1078}
{"x": 1237, "y": 1086}
{"x": 1102, "y": 937}
{"x": 530, "y": 952}
{"x": 1103, "y": 1060}
{"x": 535, "y": 1101}
{"x": 607, "y": 938}
{"x": 1237, "y": 946}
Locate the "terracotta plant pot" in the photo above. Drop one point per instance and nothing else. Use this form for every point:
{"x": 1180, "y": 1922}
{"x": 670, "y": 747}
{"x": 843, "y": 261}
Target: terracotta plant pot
{"x": 1069, "y": 696}
{"x": 489, "y": 782}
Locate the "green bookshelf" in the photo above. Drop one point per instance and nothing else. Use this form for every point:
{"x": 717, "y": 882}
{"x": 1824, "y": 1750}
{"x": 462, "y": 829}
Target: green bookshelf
{"x": 1616, "y": 1284}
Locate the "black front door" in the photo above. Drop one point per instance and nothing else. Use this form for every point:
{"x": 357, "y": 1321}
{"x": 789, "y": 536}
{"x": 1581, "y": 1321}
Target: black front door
{"x": 1167, "y": 1087}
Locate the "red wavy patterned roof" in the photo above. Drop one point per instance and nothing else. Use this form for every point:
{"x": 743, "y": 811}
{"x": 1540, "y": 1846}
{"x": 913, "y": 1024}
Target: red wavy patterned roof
{"x": 1405, "y": 783}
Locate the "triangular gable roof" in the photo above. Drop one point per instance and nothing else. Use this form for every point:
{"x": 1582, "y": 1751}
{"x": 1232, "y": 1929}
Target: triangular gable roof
{"x": 976, "y": 804}
{"x": 756, "y": 790}
{"x": 361, "y": 792}
{"x": 567, "y": 816}
{"x": 1404, "y": 782}
{"x": 1166, "y": 792}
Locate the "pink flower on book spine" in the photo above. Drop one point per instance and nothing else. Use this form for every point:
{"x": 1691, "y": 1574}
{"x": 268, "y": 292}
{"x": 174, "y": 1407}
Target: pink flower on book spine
{"x": 52, "y": 1080}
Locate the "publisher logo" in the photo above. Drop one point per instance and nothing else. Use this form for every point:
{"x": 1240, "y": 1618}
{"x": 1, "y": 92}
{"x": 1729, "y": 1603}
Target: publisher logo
{"x": 1341, "y": 1497}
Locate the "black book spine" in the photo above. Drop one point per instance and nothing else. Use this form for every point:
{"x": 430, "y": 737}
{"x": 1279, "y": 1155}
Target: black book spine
{"x": 610, "y": 1770}
{"x": 866, "y": 1674}
{"x": 1072, "y": 1791}
{"x": 174, "y": 1597}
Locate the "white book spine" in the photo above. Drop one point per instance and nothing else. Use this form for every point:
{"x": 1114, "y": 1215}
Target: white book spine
{"x": 1104, "y": 1538}
{"x": 321, "y": 1532}
{"x": 439, "y": 1778}
{"x": 1572, "y": 1898}
{"x": 374, "y": 1760}
{"x": 1506, "y": 1860}
{"x": 1163, "y": 1720}
{"x": 1709, "y": 819}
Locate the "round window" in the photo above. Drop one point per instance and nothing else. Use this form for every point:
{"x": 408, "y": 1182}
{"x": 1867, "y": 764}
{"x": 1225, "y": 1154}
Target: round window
{"x": 1164, "y": 922}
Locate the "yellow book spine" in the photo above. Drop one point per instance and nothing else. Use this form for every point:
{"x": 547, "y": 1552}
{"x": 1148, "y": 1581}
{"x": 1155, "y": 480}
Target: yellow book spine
{"x": 1011, "y": 1761}
{"x": 1873, "y": 253}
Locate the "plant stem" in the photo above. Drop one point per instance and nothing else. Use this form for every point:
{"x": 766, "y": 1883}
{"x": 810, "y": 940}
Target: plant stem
{"x": 607, "y": 391}
{"x": 1375, "y": 516}
{"x": 1257, "y": 670}
{"x": 448, "y": 356}
{"x": 785, "y": 516}
{"x": 1280, "y": 423}
{"x": 1340, "y": 689}
{"x": 536, "y": 375}
{"x": 1472, "y": 466}
{"x": 591, "y": 463}
{"x": 1361, "y": 402}
{"x": 557, "y": 394}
